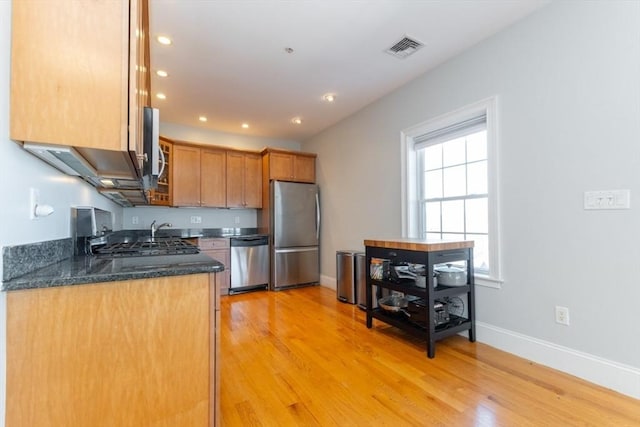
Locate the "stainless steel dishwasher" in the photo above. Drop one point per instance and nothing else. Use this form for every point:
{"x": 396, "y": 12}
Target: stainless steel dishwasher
{"x": 249, "y": 263}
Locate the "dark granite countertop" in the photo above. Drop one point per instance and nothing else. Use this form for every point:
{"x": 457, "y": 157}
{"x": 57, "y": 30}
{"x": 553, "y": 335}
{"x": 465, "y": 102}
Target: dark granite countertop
{"x": 90, "y": 269}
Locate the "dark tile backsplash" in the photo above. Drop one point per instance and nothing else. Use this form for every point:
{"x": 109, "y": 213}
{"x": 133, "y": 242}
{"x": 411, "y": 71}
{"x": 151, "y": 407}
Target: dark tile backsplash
{"x": 22, "y": 259}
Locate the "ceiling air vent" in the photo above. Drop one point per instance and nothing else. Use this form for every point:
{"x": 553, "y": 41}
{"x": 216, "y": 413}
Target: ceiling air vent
{"x": 405, "y": 47}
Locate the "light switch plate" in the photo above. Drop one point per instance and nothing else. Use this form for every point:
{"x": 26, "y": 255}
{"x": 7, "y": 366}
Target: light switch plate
{"x": 607, "y": 199}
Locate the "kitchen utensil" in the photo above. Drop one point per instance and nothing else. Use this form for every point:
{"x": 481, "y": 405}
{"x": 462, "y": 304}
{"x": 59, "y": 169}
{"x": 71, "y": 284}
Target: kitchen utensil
{"x": 394, "y": 304}
{"x": 451, "y": 275}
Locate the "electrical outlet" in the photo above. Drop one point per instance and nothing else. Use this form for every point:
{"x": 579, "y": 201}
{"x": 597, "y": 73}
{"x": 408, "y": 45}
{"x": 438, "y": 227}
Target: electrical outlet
{"x": 34, "y": 199}
{"x": 562, "y": 315}
{"x": 237, "y": 220}
{"x": 196, "y": 219}
{"x": 135, "y": 220}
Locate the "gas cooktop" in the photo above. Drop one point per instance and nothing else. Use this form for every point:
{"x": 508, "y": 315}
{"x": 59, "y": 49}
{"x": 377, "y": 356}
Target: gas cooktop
{"x": 163, "y": 246}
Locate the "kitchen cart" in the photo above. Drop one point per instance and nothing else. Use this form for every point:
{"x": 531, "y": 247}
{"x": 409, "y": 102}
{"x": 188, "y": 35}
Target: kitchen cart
{"x": 429, "y": 253}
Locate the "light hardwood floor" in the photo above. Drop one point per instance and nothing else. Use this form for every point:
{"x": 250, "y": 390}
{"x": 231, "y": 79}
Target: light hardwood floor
{"x": 301, "y": 358}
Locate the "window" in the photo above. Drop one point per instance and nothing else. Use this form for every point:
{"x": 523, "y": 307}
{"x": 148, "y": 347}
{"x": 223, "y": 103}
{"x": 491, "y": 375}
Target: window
{"x": 450, "y": 189}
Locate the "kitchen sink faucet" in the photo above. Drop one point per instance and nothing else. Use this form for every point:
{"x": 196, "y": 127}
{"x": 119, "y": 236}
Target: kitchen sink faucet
{"x": 154, "y": 228}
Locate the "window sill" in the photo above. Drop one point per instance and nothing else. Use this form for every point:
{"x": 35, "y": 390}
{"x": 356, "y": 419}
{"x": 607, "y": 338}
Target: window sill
{"x": 488, "y": 282}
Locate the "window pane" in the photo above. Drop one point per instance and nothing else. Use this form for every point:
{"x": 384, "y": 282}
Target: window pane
{"x": 432, "y": 211}
{"x": 433, "y": 184}
{"x": 477, "y": 178}
{"x": 454, "y": 181}
{"x": 433, "y": 157}
{"x": 477, "y": 146}
{"x": 453, "y": 152}
{"x": 434, "y": 236}
{"x": 453, "y": 236}
{"x": 476, "y": 216}
{"x": 480, "y": 252}
{"x": 453, "y": 216}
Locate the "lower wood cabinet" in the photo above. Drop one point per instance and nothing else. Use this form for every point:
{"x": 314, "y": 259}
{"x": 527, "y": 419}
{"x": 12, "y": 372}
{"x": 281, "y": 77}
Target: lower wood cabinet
{"x": 129, "y": 353}
{"x": 219, "y": 249}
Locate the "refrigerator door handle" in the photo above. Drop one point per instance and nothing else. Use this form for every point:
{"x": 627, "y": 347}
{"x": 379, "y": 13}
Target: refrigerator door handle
{"x": 317, "y": 216}
{"x": 293, "y": 250}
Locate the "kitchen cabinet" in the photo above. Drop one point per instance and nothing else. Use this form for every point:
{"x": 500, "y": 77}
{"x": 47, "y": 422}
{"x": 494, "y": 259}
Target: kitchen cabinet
{"x": 213, "y": 177}
{"x": 290, "y": 165}
{"x": 244, "y": 179}
{"x": 127, "y": 353}
{"x": 219, "y": 249}
{"x": 199, "y": 176}
{"x": 162, "y": 195}
{"x": 429, "y": 254}
{"x": 79, "y": 77}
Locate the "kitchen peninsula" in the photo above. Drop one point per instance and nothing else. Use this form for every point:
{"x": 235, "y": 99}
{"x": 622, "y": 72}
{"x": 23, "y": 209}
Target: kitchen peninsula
{"x": 127, "y": 341}
{"x": 421, "y": 317}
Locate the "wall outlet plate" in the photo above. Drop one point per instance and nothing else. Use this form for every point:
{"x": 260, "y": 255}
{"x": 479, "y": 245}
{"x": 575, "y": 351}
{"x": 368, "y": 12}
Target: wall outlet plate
{"x": 562, "y": 315}
{"x": 607, "y": 199}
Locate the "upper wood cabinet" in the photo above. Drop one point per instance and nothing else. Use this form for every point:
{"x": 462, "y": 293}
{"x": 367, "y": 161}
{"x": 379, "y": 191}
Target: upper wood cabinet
{"x": 244, "y": 180}
{"x": 290, "y": 165}
{"x": 213, "y": 177}
{"x": 186, "y": 175}
{"x": 79, "y": 76}
{"x": 199, "y": 176}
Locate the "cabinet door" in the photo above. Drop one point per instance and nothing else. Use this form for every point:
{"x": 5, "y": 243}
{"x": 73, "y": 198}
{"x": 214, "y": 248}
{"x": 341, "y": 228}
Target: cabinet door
{"x": 235, "y": 179}
{"x": 253, "y": 181}
{"x": 281, "y": 166}
{"x": 186, "y": 176}
{"x": 304, "y": 169}
{"x": 69, "y": 73}
{"x": 129, "y": 353}
{"x": 244, "y": 180}
{"x": 223, "y": 278}
{"x": 213, "y": 178}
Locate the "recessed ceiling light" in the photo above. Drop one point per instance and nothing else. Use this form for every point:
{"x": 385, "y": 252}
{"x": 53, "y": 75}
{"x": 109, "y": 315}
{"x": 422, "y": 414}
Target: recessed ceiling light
{"x": 202, "y": 118}
{"x": 164, "y": 40}
{"x": 296, "y": 121}
{"x": 161, "y": 96}
{"x": 329, "y": 97}
{"x": 245, "y": 126}
{"x": 162, "y": 73}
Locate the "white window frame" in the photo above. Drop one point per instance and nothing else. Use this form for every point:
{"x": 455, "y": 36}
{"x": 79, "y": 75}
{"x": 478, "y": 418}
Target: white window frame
{"x": 409, "y": 194}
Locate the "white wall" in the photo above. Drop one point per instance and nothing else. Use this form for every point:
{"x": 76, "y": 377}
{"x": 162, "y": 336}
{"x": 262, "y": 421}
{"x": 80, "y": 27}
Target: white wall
{"x": 181, "y": 217}
{"x": 568, "y": 88}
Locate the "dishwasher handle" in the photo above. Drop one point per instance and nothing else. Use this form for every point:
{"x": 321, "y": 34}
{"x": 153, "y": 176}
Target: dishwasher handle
{"x": 249, "y": 241}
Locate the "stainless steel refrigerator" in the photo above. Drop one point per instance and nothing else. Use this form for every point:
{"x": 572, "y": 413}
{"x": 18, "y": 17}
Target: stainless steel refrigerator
{"x": 295, "y": 223}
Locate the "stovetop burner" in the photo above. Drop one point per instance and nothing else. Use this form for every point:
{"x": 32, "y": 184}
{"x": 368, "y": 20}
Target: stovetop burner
{"x": 171, "y": 246}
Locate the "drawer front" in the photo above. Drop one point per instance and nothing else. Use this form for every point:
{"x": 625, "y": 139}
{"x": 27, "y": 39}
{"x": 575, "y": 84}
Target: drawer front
{"x": 213, "y": 243}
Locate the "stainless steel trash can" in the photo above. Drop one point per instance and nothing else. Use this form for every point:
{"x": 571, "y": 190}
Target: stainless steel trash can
{"x": 346, "y": 276}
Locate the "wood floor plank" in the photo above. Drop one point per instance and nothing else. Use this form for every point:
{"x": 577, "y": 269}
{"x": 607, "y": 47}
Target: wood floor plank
{"x": 301, "y": 358}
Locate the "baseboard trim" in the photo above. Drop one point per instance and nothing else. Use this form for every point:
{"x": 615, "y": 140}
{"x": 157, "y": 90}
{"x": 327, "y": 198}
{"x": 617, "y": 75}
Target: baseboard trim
{"x": 613, "y": 375}
{"x": 328, "y": 282}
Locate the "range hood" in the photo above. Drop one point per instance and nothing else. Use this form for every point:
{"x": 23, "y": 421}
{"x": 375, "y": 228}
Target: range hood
{"x": 66, "y": 159}
{"x": 125, "y": 191}
{"x": 115, "y": 174}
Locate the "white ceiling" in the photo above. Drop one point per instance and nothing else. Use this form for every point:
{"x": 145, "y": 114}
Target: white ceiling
{"x": 228, "y": 59}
